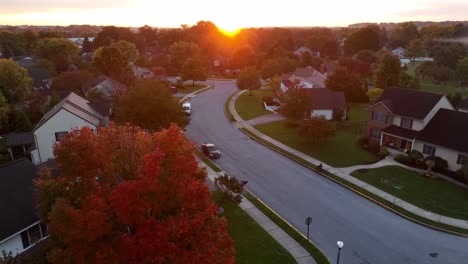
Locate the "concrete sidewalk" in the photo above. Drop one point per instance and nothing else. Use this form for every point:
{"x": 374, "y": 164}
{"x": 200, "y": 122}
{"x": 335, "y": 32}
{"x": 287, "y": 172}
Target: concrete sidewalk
{"x": 265, "y": 119}
{"x": 344, "y": 173}
{"x": 301, "y": 255}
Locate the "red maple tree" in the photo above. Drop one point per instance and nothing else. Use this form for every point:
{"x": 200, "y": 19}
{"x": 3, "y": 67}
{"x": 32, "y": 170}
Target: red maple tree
{"x": 126, "y": 196}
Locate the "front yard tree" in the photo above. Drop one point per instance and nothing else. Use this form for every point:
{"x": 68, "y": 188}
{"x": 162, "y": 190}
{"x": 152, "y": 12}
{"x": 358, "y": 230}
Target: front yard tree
{"x": 110, "y": 61}
{"x": 316, "y": 129}
{"x": 127, "y": 196}
{"x": 248, "y": 79}
{"x": 59, "y": 51}
{"x": 181, "y": 51}
{"x": 15, "y": 83}
{"x": 151, "y": 106}
{"x": 389, "y": 71}
{"x": 297, "y": 103}
{"x": 345, "y": 81}
{"x": 128, "y": 49}
{"x": 194, "y": 70}
{"x": 374, "y": 94}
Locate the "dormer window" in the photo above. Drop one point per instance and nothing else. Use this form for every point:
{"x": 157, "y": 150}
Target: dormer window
{"x": 406, "y": 123}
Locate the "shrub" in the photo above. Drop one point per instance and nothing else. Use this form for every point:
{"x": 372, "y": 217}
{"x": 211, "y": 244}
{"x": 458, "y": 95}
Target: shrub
{"x": 268, "y": 99}
{"x": 383, "y": 152}
{"x": 231, "y": 187}
{"x": 439, "y": 163}
{"x": 415, "y": 155}
{"x": 362, "y": 140}
{"x": 460, "y": 175}
{"x": 316, "y": 129}
{"x": 402, "y": 158}
{"x": 374, "y": 147}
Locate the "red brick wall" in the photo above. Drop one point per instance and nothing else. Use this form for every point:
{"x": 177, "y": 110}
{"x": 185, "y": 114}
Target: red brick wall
{"x": 375, "y": 123}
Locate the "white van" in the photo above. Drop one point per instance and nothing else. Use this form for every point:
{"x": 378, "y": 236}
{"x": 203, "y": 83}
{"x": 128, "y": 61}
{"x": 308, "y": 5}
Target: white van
{"x": 187, "y": 108}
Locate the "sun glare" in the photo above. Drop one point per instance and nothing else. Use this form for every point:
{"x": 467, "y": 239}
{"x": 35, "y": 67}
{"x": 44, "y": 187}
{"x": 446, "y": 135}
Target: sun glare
{"x": 230, "y": 31}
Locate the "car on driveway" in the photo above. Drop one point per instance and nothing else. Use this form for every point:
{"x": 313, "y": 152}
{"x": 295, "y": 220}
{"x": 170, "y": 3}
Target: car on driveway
{"x": 187, "y": 108}
{"x": 211, "y": 151}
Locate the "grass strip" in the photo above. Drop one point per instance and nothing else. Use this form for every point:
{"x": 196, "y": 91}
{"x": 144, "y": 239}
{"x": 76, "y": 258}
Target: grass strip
{"x": 207, "y": 161}
{"x": 315, "y": 252}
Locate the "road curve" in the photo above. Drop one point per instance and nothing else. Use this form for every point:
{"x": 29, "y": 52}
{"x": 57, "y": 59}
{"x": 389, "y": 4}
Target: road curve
{"x": 370, "y": 233}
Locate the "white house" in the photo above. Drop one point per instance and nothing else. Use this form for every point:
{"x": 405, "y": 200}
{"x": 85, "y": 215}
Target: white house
{"x": 20, "y": 228}
{"x": 71, "y": 113}
{"x": 399, "y": 52}
{"x": 142, "y": 73}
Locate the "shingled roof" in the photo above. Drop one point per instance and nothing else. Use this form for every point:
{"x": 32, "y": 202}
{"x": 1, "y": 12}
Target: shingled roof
{"x": 447, "y": 128}
{"x": 324, "y": 99}
{"x": 17, "y": 198}
{"x": 409, "y": 103}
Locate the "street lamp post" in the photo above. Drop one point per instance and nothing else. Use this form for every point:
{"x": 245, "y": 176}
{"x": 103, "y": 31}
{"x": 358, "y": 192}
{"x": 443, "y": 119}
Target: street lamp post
{"x": 340, "y": 244}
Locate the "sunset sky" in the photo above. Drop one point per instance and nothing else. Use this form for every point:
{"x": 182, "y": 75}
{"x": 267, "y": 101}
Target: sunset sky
{"x": 227, "y": 14}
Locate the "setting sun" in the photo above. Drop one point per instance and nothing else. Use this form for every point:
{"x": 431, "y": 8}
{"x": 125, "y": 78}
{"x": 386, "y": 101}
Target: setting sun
{"x": 230, "y": 31}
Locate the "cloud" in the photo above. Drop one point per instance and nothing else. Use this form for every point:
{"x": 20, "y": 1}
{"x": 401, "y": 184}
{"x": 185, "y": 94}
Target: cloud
{"x": 436, "y": 10}
{"x": 32, "y": 6}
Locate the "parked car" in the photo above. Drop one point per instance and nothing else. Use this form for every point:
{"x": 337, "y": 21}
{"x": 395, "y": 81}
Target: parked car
{"x": 211, "y": 151}
{"x": 187, "y": 108}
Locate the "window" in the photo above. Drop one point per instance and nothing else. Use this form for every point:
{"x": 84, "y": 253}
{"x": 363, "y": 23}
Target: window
{"x": 375, "y": 133}
{"x": 429, "y": 150}
{"x": 406, "y": 123}
{"x": 33, "y": 234}
{"x": 59, "y": 136}
{"x": 462, "y": 159}
{"x": 379, "y": 116}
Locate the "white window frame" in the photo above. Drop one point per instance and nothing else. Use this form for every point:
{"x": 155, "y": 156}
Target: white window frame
{"x": 432, "y": 148}
{"x": 57, "y": 139}
{"x": 404, "y": 119}
{"x": 378, "y": 116}
{"x": 375, "y": 133}
{"x": 462, "y": 159}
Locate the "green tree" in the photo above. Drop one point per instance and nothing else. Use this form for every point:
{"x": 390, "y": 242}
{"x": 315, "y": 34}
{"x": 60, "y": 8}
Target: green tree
{"x": 59, "y": 51}
{"x": 403, "y": 34}
{"x": 248, "y": 79}
{"x": 21, "y": 121}
{"x": 316, "y": 129}
{"x": 448, "y": 54}
{"x": 344, "y": 81}
{"x": 15, "y": 83}
{"x": 389, "y": 71}
{"x": 277, "y": 66}
{"x": 181, "y": 51}
{"x": 127, "y": 49}
{"x": 364, "y": 38}
{"x": 151, "y": 106}
{"x": 415, "y": 83}
{"x": 455, "y": 98}
{"x": 110, "y": 61}
{"x": 297, "y": 103}
{"x": 4, "y": 110}
{"x": 193, "y": 70}
{"x": 111, "y": 34}
{"x": 231, "y": 188}
{"x": 368, "y": 56}
{"x": 12, "y": 44}
{"x": 87, "y": 45}
{"x": 415, "y": 49}
{"x": 462, "y": 70}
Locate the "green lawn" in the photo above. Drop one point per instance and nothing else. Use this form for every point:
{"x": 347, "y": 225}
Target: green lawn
{"x": 338, "y": 151}
{"x": 253, "y": 244}
{"x": 251, "y": 106}
{"x": 437, "y": 196}
{"x": 428, "y": 86}
{"x": 189, "y": 88}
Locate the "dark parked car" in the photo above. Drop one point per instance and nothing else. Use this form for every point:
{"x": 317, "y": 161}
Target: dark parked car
{"x": 211, "y": 151}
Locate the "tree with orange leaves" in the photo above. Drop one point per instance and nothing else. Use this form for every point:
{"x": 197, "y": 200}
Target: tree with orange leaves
{"x": 126, "y": 196}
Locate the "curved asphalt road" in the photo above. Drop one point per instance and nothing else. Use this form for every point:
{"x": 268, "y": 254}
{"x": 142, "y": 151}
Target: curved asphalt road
{"x": 370, "y": 233}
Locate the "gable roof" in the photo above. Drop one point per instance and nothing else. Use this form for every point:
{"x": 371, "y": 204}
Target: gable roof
{"x": 409, "y": 103}
{"x": 448, "y": 128}
{"x": 77, "y": 106}
{"x": 18, "y": 139}
{"x": 463, "y": 104}
{"x": 105, "y": 85}
{"x": 309, "y": 75}
{"x": 324, "y": 99}
{"x": 17, "y": 197}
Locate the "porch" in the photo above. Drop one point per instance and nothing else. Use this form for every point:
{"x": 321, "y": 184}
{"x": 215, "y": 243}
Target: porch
{"x": 397, "y": 138}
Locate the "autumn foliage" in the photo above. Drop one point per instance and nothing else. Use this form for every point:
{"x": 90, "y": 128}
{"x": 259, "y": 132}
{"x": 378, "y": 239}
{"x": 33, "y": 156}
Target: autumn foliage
{"x": 126, "y": 196}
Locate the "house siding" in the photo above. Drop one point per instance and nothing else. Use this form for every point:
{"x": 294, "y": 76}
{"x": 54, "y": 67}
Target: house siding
{"x": 13, "y": 244}
{"x": 327, "y": 114}
{"x": 463, "y": 110}
{"x": 450, "y": 155}
{"x": 375, "y": 124}
{"x": 45, "y": 134}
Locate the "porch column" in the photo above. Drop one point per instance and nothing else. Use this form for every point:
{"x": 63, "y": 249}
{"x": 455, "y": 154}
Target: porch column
{"x": 381, "y": 138}
{"x": 24, "y": 150}
{"x": 11, "y": 153}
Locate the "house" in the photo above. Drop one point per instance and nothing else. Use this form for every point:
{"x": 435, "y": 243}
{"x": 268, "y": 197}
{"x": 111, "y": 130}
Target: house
{"x": 71, "y": 113}
{"x": 41, "y": 79}
{"x": 463, "y": 106}
{"x": 306, "y": 77}
{"x": 24, "y": 61}
{"x": 20, "y": 228}
{"x": 445, "y": 136}
{"x": 18, "y": 144}
{"x": 395, "y": 120}
{"x": 399, "y": 52}
{"x": 107, "y": 88}
{"x": 302, "y": 50}
{"x": 142, "y": 73}
{"x": 327, "y": 103}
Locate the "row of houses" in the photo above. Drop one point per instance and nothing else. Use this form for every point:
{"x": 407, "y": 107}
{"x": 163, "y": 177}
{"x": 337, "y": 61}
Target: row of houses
{"x": 403, "y": 120}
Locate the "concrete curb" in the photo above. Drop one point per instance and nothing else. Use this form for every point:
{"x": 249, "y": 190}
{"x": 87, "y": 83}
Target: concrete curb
{"x": 194, "y": 93}
{"x": 350, "y": 187}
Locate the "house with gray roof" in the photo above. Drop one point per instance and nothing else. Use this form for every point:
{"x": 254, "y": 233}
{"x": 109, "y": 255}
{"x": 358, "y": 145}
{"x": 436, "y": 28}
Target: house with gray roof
{"x": 20, "y": 227}
{"x": 105, "y": 87}
{"x": 73, "y": 112}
